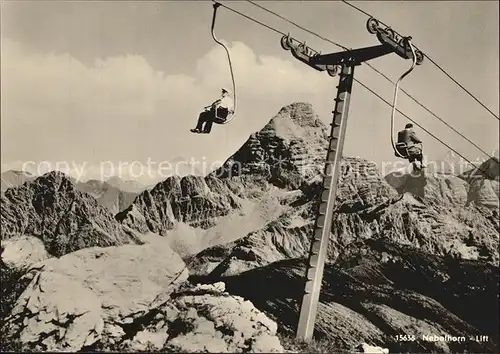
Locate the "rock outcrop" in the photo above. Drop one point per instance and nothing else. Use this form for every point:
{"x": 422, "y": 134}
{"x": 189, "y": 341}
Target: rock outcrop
{"x": 93, "y": 295}
{"x": 208, "y": 319}
{"x": 20, "y": 252}
{"x": 484, "y": 184}
{"x": 433, "y": 217}
{"x": 132, "y": 297}
{"x": 65, "y": 219}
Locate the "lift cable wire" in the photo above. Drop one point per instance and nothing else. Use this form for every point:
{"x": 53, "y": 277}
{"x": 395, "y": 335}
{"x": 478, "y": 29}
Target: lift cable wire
{"x": 365, "y": 86}
{"x": 297, "y": 25}
{"x": 433, "y": 62}
{"x": 251, "y": 18}
{"x": 463, "y": 88}
{"x": 374, "y": 69}
{"x": 362, "y": 11}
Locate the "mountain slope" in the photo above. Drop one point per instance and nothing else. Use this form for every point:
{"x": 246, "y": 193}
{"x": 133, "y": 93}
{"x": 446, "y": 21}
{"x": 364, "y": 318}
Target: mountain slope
{"x": 125, "y": 186}
{"x": 286, "y": 154}
{"x": 109, "y": 196}
{"x": 193, "y": 200}
{"x": 14, "y": 178}
{"x": 431, "y": 213}
{"x": 65, "y": 219}
{"x": 408, "y": 254}
{"x": 379, "y": 290}
{"x": 484, "y": 184}
{"x": 439, "y": 224}
{"x": 426, "y": 222}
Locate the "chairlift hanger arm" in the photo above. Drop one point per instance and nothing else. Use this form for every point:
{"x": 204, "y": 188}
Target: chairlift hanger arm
{"x": 215, "y": 6}
{"x": 231, "y": 114}
{"x": 407, "y": 42}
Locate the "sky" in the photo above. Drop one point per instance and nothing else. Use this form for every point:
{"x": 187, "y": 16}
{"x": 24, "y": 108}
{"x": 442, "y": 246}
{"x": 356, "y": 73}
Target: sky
{"x": 99, "y": 85}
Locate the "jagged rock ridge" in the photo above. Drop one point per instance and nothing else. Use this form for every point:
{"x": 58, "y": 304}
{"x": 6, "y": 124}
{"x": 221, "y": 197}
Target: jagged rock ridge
{"x": 485, "y": 184}
{"x": 196, "y": 201}
{"x": 65, "y": 219}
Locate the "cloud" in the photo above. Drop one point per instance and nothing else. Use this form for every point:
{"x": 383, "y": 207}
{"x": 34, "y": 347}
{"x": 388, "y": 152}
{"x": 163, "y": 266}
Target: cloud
{"x": 55, "y": 108}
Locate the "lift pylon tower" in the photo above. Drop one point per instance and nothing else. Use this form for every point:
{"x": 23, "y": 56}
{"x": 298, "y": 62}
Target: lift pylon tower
{"x": 342, "y": 63}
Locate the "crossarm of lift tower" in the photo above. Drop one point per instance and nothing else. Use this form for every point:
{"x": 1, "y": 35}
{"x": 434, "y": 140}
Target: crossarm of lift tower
{"x": 391, "y": 42}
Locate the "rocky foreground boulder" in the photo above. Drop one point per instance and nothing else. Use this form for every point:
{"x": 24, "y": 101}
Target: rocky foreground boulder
{"x": 132, "y": 297}
{"x": 206, "y": 318}
{"x": 73, "y": 301}
{"x": 20, "y": 252}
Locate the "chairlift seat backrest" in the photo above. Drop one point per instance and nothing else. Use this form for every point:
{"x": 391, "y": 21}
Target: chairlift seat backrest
{"x": 222, "y": 116}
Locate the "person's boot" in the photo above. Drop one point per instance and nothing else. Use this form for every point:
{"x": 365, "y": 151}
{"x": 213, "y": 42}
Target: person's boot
{"x": 195, "y": 130}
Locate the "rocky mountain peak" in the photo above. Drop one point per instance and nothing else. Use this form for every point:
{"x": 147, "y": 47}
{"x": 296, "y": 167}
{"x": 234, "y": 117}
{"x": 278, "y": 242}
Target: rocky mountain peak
{"x": 300, "y": 114}
{"x": 64, "y": 218}
{"x": 288, "y": 151}
{"x": 484, "y": 182}
{"x": 55, "y": 181}
{"x": 95, "y": 183}
{"x": 489, "y": 169}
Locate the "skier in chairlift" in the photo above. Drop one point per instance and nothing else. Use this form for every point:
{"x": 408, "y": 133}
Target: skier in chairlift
{"x": 217, "y": 112}
{"x": 409, "y": 145}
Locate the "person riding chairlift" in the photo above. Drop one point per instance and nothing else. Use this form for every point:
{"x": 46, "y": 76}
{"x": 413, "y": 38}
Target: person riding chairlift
{"x": 406, "y": 145}
{"x": 218, "y": 110}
